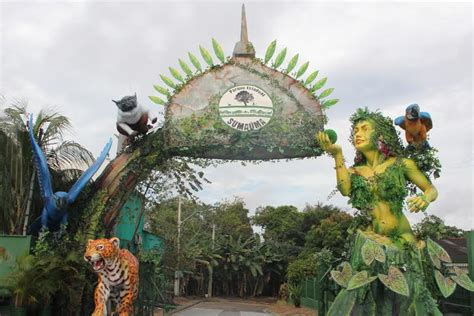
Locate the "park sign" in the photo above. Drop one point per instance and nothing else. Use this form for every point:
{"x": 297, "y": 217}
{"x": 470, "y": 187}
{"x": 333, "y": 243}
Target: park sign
{"x": 246, "y": 108}
{"x": 241, "y": 108}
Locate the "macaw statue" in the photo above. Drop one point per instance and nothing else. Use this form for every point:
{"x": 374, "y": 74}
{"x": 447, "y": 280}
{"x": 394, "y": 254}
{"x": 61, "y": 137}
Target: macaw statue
{"x": 57, "y": 203}
{"x": 416, "y": 125}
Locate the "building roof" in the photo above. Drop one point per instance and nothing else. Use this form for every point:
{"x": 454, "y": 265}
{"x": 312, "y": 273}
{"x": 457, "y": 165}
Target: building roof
{"x": 456, "y": 248}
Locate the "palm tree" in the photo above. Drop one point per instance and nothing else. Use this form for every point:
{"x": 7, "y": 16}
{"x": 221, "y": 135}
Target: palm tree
{"x": 66, "y": 159}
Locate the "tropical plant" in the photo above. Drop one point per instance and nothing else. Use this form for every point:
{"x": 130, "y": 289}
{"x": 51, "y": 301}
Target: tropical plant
{"x": 272, "y": 257}
{"x": 65, "y": 158}
{"x": 308, "y": 265}
{"x": 19, "y": 282}
{"x": 35, "y": 279}
{"x": 301, "y": 269}
{"x": 295, "y": 291}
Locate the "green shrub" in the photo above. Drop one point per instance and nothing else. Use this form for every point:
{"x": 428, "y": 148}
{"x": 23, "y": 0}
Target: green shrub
{"x": 295, "y": 291}
{"x": 307, "y": 266}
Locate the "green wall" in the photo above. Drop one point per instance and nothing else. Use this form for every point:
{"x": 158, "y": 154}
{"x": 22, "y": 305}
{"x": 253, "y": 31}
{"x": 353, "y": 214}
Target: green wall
{"x": 11, "y": 247}
{"x": 127, "y": 223}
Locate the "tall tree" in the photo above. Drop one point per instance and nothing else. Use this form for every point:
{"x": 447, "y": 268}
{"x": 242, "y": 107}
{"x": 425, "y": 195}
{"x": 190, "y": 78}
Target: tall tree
{"x": 331, "y": 233}
{"x": 282, "y": 224}
{"x": 231, "y": 218}
{"x": 434, "y": 227}
{"x": 314, "y": 214}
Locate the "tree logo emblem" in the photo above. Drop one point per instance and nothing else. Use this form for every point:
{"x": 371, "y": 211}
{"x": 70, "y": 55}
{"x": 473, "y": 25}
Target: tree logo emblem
{"x": 244, "y": 96}
{"x": 246, "y": 108}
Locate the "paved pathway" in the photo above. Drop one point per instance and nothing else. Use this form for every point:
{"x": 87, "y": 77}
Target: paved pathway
{"x": 225, "y": 308}
{"x": 198, "y": 311}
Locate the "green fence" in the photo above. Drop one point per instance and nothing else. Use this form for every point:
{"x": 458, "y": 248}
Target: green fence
{"x": 318, "y": 293}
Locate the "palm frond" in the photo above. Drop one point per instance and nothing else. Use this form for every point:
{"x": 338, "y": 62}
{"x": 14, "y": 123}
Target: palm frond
{"x": 69, "y": 154}
{"x": 53, "y": 126}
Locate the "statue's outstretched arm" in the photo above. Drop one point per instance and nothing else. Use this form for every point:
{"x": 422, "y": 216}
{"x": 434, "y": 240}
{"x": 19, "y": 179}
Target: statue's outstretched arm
{"x": 342, "y": 174}
{"x": 418, "y": 203}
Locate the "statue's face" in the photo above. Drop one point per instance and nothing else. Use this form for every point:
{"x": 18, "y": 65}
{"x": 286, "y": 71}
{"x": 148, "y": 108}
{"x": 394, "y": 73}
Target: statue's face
{"x": 363, "y": 134}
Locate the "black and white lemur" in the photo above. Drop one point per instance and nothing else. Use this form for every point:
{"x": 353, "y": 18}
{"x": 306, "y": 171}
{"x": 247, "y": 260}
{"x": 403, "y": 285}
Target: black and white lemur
{"x": 132, "y": 120}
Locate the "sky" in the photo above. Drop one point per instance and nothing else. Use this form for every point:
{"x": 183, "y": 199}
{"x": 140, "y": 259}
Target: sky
{"x": 78, "y": 56}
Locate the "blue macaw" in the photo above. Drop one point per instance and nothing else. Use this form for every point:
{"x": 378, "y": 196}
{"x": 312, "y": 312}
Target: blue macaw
{"x": 56, "y": 204}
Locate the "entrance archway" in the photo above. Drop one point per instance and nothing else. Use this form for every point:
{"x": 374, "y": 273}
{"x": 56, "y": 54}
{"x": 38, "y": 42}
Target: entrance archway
{"x": 239, "y": 108}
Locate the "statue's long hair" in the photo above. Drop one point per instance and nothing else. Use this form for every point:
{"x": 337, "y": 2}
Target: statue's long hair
{"x": 385, "y": 138}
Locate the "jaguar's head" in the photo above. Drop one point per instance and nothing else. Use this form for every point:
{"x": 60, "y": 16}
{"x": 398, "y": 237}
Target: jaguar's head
{"x": 101, "y": 252}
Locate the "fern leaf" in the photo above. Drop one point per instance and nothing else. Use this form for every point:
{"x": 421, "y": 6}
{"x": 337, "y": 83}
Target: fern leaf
{"x": 326, "y": 93}
{"x": 292, "y": 63}
{"x": 161, "y": 90}
{"x": 270, "y": 51}
{"x": 280, "y": 58}
{"x": 302, "y": 69}
{"x": 319, "y": 84}
{"x": 218, "y": 50}
{"x": 157, "y": 100}
{"x": 185, "y": 67}
{"x": 168, "y": 81}
{"x": 328, "y": 103}
{"x": 175, "y": 73}
{"x": 206, "y": 56}
{"x": 311, "y": 77}
{"x": 195, "y": 62}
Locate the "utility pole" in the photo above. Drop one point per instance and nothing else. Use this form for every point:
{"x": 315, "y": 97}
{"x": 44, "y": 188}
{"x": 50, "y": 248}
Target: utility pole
{"x": 211, "y": 269}
{"x": 213, "y": 234}
{"x": 178, "y": 273}
{"x": 178, "y": 248}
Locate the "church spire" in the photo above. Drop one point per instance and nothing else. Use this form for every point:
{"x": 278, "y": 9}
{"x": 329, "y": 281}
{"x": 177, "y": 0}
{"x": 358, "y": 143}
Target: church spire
{"x": 244, "y": 48}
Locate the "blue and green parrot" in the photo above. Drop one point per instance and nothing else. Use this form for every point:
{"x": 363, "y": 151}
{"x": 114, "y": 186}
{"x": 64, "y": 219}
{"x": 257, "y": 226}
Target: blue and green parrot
{"x": 416, "y": 125}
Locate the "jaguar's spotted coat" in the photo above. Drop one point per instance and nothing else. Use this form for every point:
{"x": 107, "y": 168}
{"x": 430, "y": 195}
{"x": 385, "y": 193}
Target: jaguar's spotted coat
{"x": 118, "y": 275}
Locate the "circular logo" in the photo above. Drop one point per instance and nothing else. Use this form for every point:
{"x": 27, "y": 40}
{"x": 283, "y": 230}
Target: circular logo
{"x": 246, "y": 108}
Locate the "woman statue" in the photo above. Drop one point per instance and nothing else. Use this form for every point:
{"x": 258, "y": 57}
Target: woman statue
{"x": 376, "y": 183}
